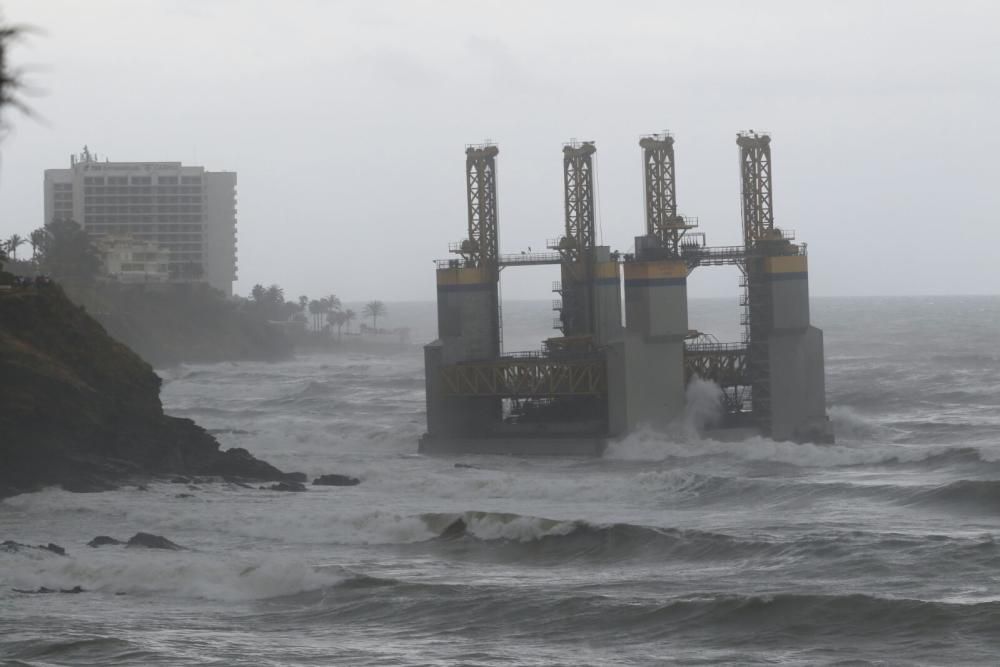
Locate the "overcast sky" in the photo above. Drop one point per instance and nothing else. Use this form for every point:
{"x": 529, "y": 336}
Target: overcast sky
{"x": 347, "y": 121}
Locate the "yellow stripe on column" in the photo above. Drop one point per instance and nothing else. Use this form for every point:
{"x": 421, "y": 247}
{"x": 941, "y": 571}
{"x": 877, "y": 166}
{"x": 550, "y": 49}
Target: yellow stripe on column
{"x": 606, "y": 270}
{"x": 463, "y": 276}
{"x": 786, "y": 264}
{"x": 657, "y": 269}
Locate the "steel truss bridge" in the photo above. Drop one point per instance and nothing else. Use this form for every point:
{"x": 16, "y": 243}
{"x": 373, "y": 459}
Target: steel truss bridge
{"x": 527, "y": 377}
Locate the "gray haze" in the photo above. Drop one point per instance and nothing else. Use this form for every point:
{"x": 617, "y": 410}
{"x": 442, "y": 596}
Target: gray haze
{"x": 346, "y": 122}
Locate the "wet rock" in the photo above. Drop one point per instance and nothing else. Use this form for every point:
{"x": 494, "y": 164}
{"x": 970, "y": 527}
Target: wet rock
{"x": 82, "y": 411}
{"x": 238, "y": 462}
{"x": 285, "y": 486}
{"x": 141, "y": 487}
{"x": 10, "y": 546}
{"x": 150, "y": 541}
{"x": 467, "y": 465}
{"x": 455, "y": 530}
{"x": 180, "y": 480}
{"x": 42, "y": 590}
{"x": 103, "y": 541}
{"x": 296, "y": 477}
{"x": 184, "y": 495}
{"x": 336, "y": 480}
{"x": 237, "y": 482}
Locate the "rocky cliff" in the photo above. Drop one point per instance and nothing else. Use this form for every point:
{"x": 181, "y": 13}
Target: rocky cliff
{"x": 80, "y": 409}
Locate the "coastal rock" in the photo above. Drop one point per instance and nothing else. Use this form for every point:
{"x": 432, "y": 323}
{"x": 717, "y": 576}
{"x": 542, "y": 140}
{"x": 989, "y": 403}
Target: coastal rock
{"x": 238, "y": 462}
{"x": 286, "y": 486}
{"x": 336, "y": 480}
{"x": 103, "y": 541}
{"x": 150, "y": 541}
{"x": 10, "y": 546}
{"x": 54, "y": 548}
{"x": 42, "y": 590}
{"x": 296, "y": 477}
{"x": 83, "y": 411}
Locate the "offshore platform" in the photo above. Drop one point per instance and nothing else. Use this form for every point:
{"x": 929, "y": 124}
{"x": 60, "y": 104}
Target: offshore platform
{"x": 600, "y": 379}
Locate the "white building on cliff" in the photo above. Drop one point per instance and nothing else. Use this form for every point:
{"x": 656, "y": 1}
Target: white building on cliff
{"x": 187, "y": 211}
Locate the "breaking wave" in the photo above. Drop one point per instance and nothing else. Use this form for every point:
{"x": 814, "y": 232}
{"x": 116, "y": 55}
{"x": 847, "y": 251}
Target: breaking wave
{"x": 757, "y": 620}
{"x": 120, "y": 571}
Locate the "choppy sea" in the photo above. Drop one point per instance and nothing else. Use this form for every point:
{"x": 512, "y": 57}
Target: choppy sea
{"x": 672, "y": 549}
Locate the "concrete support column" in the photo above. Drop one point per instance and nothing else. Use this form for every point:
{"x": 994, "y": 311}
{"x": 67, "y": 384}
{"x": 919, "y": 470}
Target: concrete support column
{"x": 795, "y": 352}
{"x": 468, "y": 330}
{"x": 607, "y": 302}
{"x": 652, "y": 357}
{"x": 468, "y": 313}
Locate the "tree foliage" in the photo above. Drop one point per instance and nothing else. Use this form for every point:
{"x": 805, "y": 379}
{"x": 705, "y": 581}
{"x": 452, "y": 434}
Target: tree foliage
{"x": 375, "y": 309}
{"x": 269, "y": 303}
{"x": 13, "y": 243}
{"x": 12, "y": 82}
{"x": 66, "y": 253}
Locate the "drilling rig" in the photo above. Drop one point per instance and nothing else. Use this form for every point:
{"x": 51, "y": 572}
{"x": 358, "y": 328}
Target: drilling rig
{"x": 600, "y": 380}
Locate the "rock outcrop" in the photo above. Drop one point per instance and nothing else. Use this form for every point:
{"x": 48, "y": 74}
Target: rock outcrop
{"x": 150, "y": 541}
{"x": 81, "y": 410}
{"x": 336, "y": 480}
{"x": 103, "y": 541}
{"x": 286, "y": 486}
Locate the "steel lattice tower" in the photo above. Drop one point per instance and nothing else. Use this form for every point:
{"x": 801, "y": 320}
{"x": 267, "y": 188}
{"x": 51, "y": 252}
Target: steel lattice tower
{"x": 481, "y": 187}
{"x": 578, "y": 179}
{"x": 662, "y": 221}
{"x": 755, "y": 180}
{"x": 758, "y": 227}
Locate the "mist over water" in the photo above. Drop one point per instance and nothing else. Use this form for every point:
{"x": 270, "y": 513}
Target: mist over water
{"x": 671, "y": 548}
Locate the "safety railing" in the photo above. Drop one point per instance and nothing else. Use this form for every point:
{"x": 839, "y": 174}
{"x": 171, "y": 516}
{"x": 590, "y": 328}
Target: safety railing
{"x": 530, "y": 258}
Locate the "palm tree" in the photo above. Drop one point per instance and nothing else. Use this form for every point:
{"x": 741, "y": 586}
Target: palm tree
{"x": 334, "y": 302}
{"x": 373, "y": 309}
{"x": 325, "y": 309}
{"x": 316, "y": 309}
{"x": 11, "y": 84}
{"x": 349, "y": 315}
{"x": 36, "y": 239}
{"x": 13, "y": 243}
{"x": 336, "y": 318}
{"x": 12, "y": 80}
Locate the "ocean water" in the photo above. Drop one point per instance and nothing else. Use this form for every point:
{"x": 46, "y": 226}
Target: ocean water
{"x": 671, "y": 549}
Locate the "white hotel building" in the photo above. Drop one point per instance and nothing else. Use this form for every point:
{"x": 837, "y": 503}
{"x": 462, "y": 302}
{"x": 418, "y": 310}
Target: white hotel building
{"x": 187, "y": 211}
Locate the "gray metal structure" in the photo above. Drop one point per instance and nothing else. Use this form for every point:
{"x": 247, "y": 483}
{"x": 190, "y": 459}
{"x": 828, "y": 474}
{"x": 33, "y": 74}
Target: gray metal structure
{"x": 665, "y": 229}
{"x": 482, "y": 245}
{"x": 600, "y": 380}
{"x": 578, "y": 189}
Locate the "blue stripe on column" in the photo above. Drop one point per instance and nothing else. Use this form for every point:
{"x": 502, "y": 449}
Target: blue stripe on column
{"x": 655, "y": 282}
